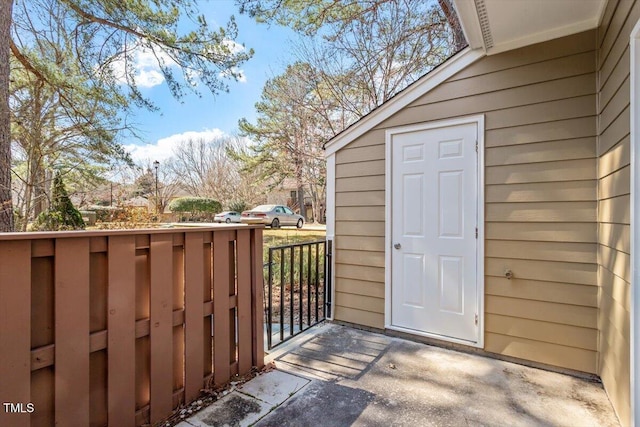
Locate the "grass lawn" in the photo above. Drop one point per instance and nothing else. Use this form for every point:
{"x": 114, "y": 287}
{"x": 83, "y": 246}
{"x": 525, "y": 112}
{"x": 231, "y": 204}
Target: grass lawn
{"x": 286, "y": 236}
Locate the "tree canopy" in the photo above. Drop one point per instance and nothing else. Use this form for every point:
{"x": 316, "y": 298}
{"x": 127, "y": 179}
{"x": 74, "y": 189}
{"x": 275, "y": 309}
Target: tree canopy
{"x": 363, "y": 53}
{"x": 81, "y": 55}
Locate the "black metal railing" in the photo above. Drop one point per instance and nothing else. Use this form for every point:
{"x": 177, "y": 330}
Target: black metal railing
{"x": 295, "y": 289}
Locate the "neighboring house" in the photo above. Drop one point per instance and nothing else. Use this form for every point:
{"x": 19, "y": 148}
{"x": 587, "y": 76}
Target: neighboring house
{"x": 286, "y": 194}
{"x": 139, "y": 202}
{"x": 489, "y": 203}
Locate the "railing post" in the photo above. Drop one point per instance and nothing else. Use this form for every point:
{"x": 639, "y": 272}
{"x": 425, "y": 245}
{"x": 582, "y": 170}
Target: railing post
{"x": 270, "y": 300}
{"x": 327, "y": 277}
{"x": 257, "y": 297}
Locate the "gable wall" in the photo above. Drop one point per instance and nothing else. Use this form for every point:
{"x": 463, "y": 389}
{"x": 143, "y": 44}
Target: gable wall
{"x": 541, "y": 199}
{"x": 614, "y": 248}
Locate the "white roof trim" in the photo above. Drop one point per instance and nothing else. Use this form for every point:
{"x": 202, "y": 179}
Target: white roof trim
{"x": 420, "y": 87}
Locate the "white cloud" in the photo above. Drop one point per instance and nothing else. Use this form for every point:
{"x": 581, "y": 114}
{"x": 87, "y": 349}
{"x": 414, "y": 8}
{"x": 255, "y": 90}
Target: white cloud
{"x": 240, "y": 75}
{"x": 163, "y": 149}
{"x": 233, "y": 46}
{"x": 145, "y": 66}
{"x": 147, "y": 72}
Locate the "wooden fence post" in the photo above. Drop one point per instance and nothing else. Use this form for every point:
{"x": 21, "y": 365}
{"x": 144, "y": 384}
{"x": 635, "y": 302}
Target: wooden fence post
{"x": 15, "y": 329}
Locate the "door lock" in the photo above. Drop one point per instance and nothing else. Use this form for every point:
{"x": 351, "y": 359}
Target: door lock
{"x": 397, "y": 246}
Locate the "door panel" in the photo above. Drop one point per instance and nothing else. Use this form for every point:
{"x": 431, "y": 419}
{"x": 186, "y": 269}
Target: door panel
{"x": 434, "y": 218}
{"x": 451, "y": 205}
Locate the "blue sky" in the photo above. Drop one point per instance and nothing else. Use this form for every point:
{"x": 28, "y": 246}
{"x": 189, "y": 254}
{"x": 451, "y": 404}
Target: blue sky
{"x": 210, "y": 116}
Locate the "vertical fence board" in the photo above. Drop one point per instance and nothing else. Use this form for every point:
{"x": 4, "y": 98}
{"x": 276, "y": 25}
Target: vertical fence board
{"x": 130, "y": 278}
{"x": 207, "y": 295}
{"x": 233, "y": 332}
{"x": 194, "y": 313}
{"x": 42, "y": 396}
{"x": 121, "y": 311}
{"x": 161, "y": 326}
{"x": 143, "y": 352}
{"x": 257, "y": 298}
{"x": 42, "y": 333}
{"x": 221, "y": 277}
{"x": 178, "y": 304}
{"x": 42, "y": 304}
{"x": 244, "y": 301}
{"x": 72, "y": 331}
{"x": 15, "y": 328}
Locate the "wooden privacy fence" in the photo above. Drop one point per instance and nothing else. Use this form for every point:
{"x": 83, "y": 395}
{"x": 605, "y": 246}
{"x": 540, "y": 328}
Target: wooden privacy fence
{"x": 119, "y": 327}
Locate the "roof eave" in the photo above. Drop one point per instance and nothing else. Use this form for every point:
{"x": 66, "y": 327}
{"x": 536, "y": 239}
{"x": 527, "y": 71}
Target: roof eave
{"x": 420, "y": 87}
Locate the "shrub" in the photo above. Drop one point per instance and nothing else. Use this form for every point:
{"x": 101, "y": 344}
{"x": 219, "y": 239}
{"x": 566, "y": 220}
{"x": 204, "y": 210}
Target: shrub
{"x": 128, "y": 217}
{"x": 61, "y": 215}
{"x": 105, "y": 213}
{"x": 238, "y": 206}
{"x": 198, "y": 208}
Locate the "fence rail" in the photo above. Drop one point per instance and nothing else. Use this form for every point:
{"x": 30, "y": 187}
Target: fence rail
{"x": 120, "y": 327}
{"x": 295, "y": 289}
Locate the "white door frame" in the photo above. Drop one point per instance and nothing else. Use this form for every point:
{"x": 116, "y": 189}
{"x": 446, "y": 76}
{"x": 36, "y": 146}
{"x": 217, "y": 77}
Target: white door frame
{"x": 479, "y": 121}
{"x": 635, "y": 223}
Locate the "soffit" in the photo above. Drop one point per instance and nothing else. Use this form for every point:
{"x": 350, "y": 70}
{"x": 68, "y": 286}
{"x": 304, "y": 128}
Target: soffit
{"x": 501, "y": 25}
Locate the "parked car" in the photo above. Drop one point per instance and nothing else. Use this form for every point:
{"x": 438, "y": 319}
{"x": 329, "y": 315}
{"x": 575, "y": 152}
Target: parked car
{"x": 273, "y": 215}
{"x": 227, "y": 216}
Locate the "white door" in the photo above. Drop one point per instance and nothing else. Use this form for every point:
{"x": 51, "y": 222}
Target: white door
{"x": 434, "y": 232}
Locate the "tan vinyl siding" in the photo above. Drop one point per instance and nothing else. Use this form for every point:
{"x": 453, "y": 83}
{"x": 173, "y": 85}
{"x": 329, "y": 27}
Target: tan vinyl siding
{"x": 613, "y": 149}
{"x": 540, "y": 351}
{"x": 541, "y": 207}
{"x": 544, "y": 232}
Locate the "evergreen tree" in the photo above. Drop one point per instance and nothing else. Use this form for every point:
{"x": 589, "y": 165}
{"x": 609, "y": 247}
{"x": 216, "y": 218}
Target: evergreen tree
{"x": 62, "y": 215}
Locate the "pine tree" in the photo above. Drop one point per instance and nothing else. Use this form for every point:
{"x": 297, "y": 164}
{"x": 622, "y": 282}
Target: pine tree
{"x": 61, "y": 215}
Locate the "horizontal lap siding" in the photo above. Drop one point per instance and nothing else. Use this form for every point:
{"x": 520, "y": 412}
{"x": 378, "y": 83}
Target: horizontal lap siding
{"x": 614, "y": 247}
{"x": 541, "y": 201}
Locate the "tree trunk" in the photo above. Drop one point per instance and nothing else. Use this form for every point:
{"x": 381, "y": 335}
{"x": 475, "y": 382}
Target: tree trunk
{"x": 316, "y": 205}
{"x": 40, "y": 186}
{"x": 300, "y": 193}
{"x": 300, "y": 190}
{"x": 459, "y": 40}
{"x": 6, "y": 206}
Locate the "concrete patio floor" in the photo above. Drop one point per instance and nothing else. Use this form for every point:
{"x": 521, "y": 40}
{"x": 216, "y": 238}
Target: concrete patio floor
{"x": 340, "y": 376}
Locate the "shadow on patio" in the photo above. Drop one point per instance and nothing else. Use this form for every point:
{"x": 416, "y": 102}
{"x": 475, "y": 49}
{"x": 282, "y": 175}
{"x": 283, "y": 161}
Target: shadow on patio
{"x": 363, "y": 378}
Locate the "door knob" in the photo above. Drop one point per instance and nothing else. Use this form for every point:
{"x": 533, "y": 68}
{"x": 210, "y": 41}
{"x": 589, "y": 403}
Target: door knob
{"x": 397, "y": 246}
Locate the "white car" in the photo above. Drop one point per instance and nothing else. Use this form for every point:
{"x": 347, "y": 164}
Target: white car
{"x": 273, "y": 215}
{"x": 227, "y": 216}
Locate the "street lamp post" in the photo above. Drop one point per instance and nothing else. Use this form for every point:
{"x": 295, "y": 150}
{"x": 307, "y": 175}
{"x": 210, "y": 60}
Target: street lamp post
{"x": 156, "y": 164}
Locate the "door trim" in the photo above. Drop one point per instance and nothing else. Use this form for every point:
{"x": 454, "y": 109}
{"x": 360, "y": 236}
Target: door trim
{"x": 634, "y": 338}
{"x": 479, "y": 121}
